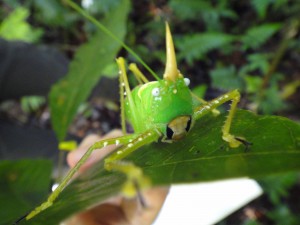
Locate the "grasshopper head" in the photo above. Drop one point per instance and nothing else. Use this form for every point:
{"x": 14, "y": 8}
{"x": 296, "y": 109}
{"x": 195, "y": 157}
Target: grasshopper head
{"x": 175, "y": 101}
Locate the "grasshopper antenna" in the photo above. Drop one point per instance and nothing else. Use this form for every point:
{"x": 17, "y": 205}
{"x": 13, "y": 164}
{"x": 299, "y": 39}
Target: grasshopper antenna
{"x": 109, "y": 33}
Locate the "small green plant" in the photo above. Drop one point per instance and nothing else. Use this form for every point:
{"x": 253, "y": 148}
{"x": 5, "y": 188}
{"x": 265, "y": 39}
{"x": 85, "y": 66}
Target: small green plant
{"x": 15, "y": 27}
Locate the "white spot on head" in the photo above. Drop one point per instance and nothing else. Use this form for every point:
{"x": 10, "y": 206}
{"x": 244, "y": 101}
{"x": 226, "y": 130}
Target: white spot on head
{"x": 175, "y": 91}
{"x": 187, "y": 81}
{"x": 117, "y": 142}
{"x": 123, "y": 84}
{"x": 155, "y": 92}
{"x": 105, "y": 144}
{"x": 125, "y": 93}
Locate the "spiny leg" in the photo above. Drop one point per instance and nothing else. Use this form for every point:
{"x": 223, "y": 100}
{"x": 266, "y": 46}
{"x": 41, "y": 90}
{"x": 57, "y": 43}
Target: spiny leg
{"x": 135, "y": 177}
{"x": 233, "y": 142}
{"x": 215, "y": 112}
{"x": 124, "y": 86}
{"x": 127, "y": 92}
{"x": 233, "y": 96}
{"x": 122, "y": 103}
{"x": 98, "y": 145}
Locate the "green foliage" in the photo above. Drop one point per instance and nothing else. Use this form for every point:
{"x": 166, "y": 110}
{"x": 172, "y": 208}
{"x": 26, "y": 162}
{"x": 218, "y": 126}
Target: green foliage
{"x": 23, "y": 184}
{"x": 32, "y": 103}
{"x": 250, "y": 222}
{"x": 200, "y": 90}
{"x": 104, "y": 6}
{"x": 257, "y": 63}
{"x": 272, "y": 101}
{"x": 252, "y": 83}
{"x": 201, "y": 156}
{"x": 53, "y": 13}
{"x": 15, "y": 27}
{"x": 196, "y": 46}
{"x": 210, "y": 13}
{"x": 277, "y": 186}
{"x": 189, "y": 9}
{"x": 261, "y": 7}
{"x": 283, "y": 215}
{"x": 213, "y": 15}
{"x": 85, "y": 70}
{"x": 258, "y": 35}
{"x": 226, "y": 78}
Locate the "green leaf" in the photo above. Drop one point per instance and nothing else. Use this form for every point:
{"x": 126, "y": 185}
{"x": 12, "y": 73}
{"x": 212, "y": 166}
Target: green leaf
{"x": 200, "y": 90}
{"x": 258, "y": 61}
{"x": 253, "y": 83}
{"x": 261, "y": 7}
{"x": 15, "y": 27}
{"x": 211, "y": 13}
{"x": 23, "y": 184}
{"x": 188, "y": 9}
{"x": 103, "y": 6}
{"x": 272, "y": 101}
{"x": 32, "y": 103}
{"x": 278, "y": 186}
{"x": 85, "y": 70}
{"x": 53, "y": 13}
{"x": 258, "y": 35}
{"x": 195, "y": 46}
{"x": 226, "y": 78}
{"x": 201, "y": 156}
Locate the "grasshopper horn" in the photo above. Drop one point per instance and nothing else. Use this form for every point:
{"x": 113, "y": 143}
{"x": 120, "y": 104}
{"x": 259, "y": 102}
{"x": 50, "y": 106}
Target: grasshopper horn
{"x": 171, "y": 71}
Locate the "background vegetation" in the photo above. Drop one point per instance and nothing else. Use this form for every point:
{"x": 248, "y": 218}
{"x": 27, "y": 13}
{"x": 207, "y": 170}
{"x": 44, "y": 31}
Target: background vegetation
{"x": 221, "y": 45}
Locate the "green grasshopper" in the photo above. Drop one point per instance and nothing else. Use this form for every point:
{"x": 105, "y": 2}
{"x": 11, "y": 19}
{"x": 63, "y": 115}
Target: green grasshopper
{"x": 161, "y": 110}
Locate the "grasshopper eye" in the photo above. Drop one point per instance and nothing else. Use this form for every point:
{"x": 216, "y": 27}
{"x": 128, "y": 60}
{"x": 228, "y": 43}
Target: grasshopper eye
{"x": 155, "y": 92}
{"x": 187, "y": 81}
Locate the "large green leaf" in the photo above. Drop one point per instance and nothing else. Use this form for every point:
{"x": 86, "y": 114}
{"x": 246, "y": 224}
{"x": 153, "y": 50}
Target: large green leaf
{"x": 201, "y": 156}
{"x": 23, "y": 184}
{"x": 85, "y": 70}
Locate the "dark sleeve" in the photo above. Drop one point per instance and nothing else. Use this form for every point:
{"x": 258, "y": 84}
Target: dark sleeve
{"x": 26, "y": 69}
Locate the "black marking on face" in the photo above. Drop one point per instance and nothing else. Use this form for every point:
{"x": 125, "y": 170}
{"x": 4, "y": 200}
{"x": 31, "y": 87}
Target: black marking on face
{"x": 188, "y": 125}
{"x": 170, "y": 133}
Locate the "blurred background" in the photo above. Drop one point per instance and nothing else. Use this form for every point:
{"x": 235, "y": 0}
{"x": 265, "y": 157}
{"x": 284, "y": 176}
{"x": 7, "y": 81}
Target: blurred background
{"x": 251, "y": 45}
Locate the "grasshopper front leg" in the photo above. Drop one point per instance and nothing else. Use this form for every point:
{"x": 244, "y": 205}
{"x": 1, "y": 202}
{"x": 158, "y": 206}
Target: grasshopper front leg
{"x": 98, "y": 145}
{"x": 135, "y": 178}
